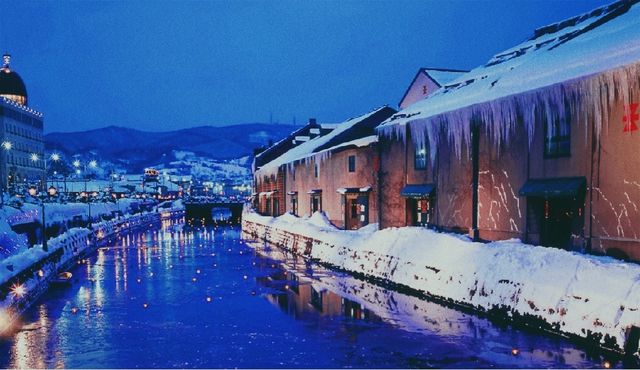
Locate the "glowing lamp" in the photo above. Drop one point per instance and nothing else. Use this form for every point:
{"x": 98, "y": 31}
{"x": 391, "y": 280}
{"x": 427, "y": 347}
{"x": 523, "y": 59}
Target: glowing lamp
{"x": 18, "y": 290}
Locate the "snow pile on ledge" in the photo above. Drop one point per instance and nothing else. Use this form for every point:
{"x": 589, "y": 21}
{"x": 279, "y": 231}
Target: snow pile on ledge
{"x": 589, "y": 296}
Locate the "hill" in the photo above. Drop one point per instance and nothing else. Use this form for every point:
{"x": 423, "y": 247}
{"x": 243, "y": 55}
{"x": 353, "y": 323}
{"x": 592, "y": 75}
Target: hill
{"x": 135, "y": 149}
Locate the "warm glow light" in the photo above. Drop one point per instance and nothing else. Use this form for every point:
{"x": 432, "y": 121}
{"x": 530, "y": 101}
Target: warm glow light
{"x": 55, "y": 157}
{"x": 515, "y": 351}
{"x": 6, "y": 145}
{"x": 606, "y": 365}
{"x": 74, "y": 310}
{"x": 18, "y": 290}
{"x": 194, "y": 280}
{"x": 208, "y": 299}
{"x": 40, "y": 273}
{"x": 145, "y": 305}
{"x": 93, "y": 163}
{"x": 34, "y": 157}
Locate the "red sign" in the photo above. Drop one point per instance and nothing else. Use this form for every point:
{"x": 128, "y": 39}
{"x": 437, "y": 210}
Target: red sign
{"x": 631, "y": 118}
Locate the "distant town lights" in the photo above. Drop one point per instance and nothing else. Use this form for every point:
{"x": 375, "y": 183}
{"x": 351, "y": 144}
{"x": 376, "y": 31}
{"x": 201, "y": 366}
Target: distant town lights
{"x": 76, "y": 163}
{"x": 34, "y": 157}
{"x": 6, "y": 145}
{"x": 55, "y": 157}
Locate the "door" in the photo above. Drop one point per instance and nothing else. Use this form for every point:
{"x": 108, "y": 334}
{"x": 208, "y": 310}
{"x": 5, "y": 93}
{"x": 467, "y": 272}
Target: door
{"x": 352, "y": 214}
{"x": 420, "y": 211}
{"x": 316, "y": 203}
{"x": 294, "y": 204}
{"x": 557, "y": 221}
{"x": 363, "y": 209}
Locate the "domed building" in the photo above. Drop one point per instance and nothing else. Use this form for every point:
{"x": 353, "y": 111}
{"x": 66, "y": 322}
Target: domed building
{"x": 21, "y": 135}
{"x": 11, "y": 84}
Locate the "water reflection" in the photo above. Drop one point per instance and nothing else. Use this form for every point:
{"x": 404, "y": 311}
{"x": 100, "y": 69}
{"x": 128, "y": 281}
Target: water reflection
{"x": 306, "y": 288}
{"x": 194, "y": 297}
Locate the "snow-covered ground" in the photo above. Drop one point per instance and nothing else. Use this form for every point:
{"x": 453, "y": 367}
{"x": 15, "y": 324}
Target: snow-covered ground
{"x": 583, "y": 295}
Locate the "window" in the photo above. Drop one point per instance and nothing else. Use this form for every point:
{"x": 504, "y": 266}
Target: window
{"x": 557, "y": 138}
{"x": 316, "y": 170}
{"x": 420, "y": 158}
{"x": 352, "y": 163}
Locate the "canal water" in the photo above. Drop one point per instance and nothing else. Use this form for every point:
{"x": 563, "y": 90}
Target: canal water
{"x": 182, "y": 297}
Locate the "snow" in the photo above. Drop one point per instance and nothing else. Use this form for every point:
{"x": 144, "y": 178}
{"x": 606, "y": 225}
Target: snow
{"x": 306, "y": 149}
{"x": 574, "y": 71}
{"x": 572, "y": 292}
{"x": 443, "y": 77}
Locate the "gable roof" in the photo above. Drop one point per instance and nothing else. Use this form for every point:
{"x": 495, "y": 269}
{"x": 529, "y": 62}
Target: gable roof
{"x": 603, "y": 40}
{"x": 348, "y": 130}
{"x": 440, "y": 76}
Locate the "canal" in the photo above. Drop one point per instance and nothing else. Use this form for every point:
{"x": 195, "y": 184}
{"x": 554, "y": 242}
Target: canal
{"x": 181, "y": 297}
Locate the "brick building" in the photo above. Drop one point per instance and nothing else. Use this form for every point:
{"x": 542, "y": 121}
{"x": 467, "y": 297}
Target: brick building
{"x": 538, "y": 144}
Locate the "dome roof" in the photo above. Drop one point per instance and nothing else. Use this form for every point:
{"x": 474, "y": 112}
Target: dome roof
{"x": 11, "y": 84}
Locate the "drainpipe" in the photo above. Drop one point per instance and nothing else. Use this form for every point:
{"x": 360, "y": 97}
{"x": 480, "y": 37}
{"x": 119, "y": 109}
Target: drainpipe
{"x": 475, "y": 168}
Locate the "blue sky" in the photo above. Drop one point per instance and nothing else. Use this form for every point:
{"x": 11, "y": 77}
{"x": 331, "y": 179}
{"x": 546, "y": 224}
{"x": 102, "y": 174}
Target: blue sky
{"x": 168, "y": 65}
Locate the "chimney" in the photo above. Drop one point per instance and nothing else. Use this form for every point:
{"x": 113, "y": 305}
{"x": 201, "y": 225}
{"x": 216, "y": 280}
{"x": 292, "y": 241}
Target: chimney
{"x": 312, "y": 121}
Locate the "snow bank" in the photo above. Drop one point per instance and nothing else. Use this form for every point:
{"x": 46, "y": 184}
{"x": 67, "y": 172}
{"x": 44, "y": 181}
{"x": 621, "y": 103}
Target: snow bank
{"x": 588, "y": 296}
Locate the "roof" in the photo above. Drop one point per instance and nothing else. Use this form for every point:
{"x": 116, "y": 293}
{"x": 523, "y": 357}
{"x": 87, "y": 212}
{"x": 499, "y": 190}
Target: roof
{"x": 11, "y": 83}
{"x": 440, "y": 76}
{"x": 443, "y": 76}
{"x": 362, "y": 126}
{"x": 562, "y": 187}
{"x": 605, "y": 39}
{"x": 359, "y": 129}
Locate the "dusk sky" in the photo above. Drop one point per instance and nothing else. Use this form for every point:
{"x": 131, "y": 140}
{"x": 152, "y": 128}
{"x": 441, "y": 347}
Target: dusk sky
{"x": 167, "y": 65}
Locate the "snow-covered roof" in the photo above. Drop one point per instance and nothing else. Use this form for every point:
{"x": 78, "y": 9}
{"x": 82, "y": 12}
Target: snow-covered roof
{"x": 442, "y": 76}
{"x": 603, "y": 40}
{"x": 359, "y": 143}
{"x": 77, "y": 186}
{"x": 307, "y": 149}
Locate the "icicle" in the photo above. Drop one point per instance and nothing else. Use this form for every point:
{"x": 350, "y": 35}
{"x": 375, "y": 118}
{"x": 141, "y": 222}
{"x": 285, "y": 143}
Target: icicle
{"x": 584, "y": 100}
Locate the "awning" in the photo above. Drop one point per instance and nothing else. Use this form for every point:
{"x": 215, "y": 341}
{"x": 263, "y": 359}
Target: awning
{"x": 560, "y": 187}
{"x": 417, "y": 190}
{"x": 267, "y": 194}
{"x": 353, "y": 190}
{"x": 292, "y": 192}
{"x": 315, "y": 191}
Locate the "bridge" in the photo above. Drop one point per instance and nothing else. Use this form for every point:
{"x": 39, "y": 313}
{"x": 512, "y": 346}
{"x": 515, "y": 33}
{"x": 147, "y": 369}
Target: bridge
{"x": 210, "y": 212}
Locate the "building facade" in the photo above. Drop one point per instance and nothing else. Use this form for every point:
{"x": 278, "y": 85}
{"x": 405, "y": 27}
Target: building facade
{"x": 334, "y": 172}
{"x": 549, "y": 161}
{"x": 22, "y": 159}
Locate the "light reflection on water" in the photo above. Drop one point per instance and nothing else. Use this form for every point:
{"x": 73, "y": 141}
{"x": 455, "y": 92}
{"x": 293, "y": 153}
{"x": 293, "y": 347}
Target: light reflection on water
{"x": 202, "y": 298}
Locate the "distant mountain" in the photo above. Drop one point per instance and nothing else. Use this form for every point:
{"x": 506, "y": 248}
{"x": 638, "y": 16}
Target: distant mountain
{"x": 135, "y": 149}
